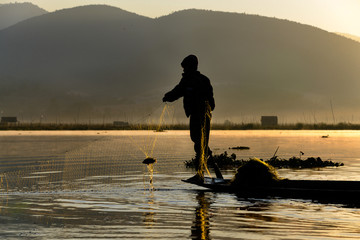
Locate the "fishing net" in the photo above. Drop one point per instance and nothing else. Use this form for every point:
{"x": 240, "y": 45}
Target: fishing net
{"x": 204, "y": 149}
{"x": 255, "y": 173}
{"x": 94, "y": 161}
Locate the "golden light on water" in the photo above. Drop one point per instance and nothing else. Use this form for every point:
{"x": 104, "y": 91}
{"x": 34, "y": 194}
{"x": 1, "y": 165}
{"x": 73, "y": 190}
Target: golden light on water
{"x": 96, "y": 184}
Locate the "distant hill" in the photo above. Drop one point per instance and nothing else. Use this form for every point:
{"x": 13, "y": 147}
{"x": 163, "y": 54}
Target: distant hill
{"x": 13, "y": 13}
{"x": 97, "y": 62}
{"x": 350, "y": 36}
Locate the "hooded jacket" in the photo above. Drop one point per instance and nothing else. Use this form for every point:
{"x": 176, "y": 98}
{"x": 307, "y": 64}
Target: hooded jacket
{"x": 197, "y": 92}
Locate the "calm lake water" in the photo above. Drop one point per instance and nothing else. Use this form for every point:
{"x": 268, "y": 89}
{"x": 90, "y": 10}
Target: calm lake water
{"x": 93, "y": 185}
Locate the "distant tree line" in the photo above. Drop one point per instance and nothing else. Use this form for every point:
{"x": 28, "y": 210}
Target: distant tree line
{"x": 156, "y": 127}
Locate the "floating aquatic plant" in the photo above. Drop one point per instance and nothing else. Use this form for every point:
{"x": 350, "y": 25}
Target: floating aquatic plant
{"x": 226, "y": 161}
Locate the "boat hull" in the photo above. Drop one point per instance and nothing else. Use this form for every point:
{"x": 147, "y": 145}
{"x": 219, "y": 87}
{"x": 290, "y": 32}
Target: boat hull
{"x": 320, "y": 190}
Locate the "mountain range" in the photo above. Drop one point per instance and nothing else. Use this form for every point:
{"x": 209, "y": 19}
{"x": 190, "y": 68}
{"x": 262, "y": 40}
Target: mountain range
{"x": 13, "y": 13}
{"x": 97, "y": 63}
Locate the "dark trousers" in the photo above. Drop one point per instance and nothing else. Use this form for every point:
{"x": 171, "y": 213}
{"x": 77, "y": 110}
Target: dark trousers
{"x": 199, "y": 133}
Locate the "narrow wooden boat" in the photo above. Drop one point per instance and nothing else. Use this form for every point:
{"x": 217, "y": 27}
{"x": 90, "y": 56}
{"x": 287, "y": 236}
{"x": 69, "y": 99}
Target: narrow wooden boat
{"x": 322, "y": 190}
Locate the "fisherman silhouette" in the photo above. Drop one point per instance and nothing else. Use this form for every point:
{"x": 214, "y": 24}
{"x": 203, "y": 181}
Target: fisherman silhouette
{"x": 198, "y": 99}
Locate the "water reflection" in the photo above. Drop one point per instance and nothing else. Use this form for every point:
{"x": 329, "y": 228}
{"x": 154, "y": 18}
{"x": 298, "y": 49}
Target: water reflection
{"x": 201, "y": 224}
{"x": 214, "y": 215}
{"x": 149, "y": 210}
{"x": 101, "y": 189}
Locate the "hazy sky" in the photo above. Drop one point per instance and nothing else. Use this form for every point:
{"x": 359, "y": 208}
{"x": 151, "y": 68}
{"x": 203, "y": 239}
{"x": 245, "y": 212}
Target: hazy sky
{"x": 331, "y": 15}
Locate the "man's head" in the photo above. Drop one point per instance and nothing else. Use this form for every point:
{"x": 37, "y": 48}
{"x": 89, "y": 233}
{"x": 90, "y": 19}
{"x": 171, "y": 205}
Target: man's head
{"x": 190, "y": 63}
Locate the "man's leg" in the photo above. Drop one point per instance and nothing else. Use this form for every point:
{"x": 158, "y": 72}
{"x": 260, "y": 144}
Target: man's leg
{"x": 195, "y": 135}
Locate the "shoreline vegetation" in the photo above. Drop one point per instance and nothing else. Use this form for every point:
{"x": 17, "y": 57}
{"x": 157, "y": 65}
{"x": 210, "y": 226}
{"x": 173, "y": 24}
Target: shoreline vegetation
{"x": 225, "y": 161}
{"x": 156, "y": 127}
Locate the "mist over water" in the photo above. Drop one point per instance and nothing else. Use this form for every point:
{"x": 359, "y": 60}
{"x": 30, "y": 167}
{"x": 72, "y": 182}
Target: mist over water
{"x": 94, "y": 185}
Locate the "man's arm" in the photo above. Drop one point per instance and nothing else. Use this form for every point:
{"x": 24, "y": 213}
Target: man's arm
{"x": 174, "y": 94}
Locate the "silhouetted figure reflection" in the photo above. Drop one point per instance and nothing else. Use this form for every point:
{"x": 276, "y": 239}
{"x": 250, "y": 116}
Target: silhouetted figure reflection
{"x": 198, "y": 104}
{"x": 201, "y": 224}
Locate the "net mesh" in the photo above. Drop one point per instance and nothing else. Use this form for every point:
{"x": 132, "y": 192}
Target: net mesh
{"x": 204, "y": 143}
{"x": 96, "y": 162}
